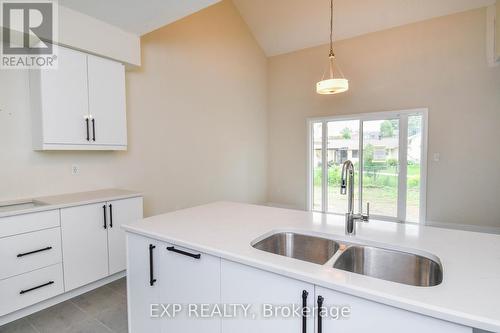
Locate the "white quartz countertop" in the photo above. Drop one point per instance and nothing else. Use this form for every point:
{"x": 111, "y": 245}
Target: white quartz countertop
{"x": 469, "y": 294}
{"x": 40, "y": 204}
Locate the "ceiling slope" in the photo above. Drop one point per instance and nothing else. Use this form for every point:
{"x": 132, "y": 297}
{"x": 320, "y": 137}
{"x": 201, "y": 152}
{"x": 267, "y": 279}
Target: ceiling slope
{"x": 283, "y": 26}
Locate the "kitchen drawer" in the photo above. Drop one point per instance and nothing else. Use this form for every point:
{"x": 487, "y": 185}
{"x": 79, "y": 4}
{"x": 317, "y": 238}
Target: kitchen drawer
{"x": 27, "y": 289}
{"x": 28, "y": 252}
{"x": 20, "y": 224}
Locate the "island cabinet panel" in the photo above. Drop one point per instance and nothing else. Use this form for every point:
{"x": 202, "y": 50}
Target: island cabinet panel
{"x": 189, "y": 279}
{"x": 274, "y": 300}
{"x": 143, "y": 283}
{"x": 368, "y": 316}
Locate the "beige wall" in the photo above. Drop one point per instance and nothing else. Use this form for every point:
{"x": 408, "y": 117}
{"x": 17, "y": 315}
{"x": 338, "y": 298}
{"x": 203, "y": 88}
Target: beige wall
{"x": 439, "y": 64}
{"x": 196, "y": 117}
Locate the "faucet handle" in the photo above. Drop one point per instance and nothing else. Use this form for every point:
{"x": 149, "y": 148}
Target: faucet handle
{"x": 366, "y": 217}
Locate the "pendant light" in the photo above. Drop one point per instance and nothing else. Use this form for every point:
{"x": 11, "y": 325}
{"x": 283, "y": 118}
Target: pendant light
{"x": 332, "y": 85}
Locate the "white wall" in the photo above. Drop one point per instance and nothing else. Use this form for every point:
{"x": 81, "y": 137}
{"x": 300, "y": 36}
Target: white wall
{"x": 196, "y": 117}
{"x": 440, "y": 64}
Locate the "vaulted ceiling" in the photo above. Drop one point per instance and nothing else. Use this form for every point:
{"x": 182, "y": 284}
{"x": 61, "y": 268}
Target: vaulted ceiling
{"x": 280, "y": 26}
{"x": 283, "y": 26}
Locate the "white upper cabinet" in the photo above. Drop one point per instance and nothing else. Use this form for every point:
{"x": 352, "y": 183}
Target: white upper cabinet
{"x": 59, "y": 101}
{"x": 107, "y": 101}
{"x": 80, "y": 105}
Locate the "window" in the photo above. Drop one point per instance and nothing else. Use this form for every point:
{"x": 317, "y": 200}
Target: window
{"x": 388, "y": 151}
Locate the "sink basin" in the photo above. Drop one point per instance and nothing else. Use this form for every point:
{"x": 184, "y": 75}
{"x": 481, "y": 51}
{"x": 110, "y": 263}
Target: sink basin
{"x": 19, "y": 205}
{"x": 302, "y": 247}
{"x": 390, "y": 265}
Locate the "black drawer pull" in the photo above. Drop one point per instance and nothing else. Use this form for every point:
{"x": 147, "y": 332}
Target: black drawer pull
{"x": 93, "y": 129}
{"x": 88, "y": 129}
{"x": 320, "y": 319}
{"x": 173, "y": 249}
{"x": 152, "y": 280}
{"x": 104, "y": 212}
{"x": 33, "y": 252}
{"x": 304, "y": 311}
{"x": 110, "y": 215}
{"x": 35, "y": 288}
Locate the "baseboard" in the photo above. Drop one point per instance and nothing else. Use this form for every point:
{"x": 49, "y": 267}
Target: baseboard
{"x": 59, "y": 299}
{"x": 464, "y": 227}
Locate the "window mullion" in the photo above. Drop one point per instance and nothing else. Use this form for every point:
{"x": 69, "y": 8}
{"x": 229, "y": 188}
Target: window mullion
{"x": 361, "y": 166}
{"x": 403, "y": 167}
{"x": 324, "y": 164}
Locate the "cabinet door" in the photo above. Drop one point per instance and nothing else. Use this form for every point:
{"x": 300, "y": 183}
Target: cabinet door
{"x": 64, "y": 99}
{"x": 143, "y": 283}
{"x": 368, "y": 316}
{"x": 85, "y": 245}
{"x": 242, "y": 284}
{"x": 120, "y": 212}
{"x": 189, "y": 280}
{"x": 107, "y": 101}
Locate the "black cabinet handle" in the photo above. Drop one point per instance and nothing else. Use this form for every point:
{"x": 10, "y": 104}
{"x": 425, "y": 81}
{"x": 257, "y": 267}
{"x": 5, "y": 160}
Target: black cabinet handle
{"x": 93, "y": 129}
{"x": 320, "y": 318}
{"x": 304, "y": 311}
{"x": 33, "y": 252}
{"x": 152, "y": 280}
{"x": 173, "y": 249}
{"x": 110, "y": 215}
{"x": 88, "y": 129}
{"x": 35, "y": 288}
{"x": 104, "y": 212}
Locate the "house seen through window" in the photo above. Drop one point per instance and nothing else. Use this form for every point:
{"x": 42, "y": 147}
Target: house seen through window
{"x": 388, "y": 151}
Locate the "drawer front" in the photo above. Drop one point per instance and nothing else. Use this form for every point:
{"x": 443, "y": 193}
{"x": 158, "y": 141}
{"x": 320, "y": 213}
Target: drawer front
{"x": 20, "y": 224}
{"x": 28, "y": 252}
{"x": 27, "y": 289}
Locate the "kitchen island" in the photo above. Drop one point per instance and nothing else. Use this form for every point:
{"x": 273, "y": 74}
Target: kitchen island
{"x": 204, "y": 255}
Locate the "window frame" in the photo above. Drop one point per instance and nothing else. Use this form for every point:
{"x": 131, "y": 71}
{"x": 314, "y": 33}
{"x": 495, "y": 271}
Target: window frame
{"x": 402, "y": 115}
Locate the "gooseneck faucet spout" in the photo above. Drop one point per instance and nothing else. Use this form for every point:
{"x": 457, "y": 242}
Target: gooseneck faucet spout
{"x": 347, "y": 188}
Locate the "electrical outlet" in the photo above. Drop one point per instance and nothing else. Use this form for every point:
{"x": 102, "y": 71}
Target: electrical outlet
{"x": 75, "y": 169}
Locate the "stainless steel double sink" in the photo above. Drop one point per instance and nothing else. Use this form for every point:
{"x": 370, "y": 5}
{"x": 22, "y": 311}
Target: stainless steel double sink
{"x": 386, "y": 264}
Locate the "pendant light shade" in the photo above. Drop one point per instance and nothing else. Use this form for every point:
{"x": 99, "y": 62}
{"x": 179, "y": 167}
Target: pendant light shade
{"x": 332, "y": 85}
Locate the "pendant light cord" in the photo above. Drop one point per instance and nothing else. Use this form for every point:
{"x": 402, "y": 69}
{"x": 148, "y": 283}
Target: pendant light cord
{"x": 331, "y": 29}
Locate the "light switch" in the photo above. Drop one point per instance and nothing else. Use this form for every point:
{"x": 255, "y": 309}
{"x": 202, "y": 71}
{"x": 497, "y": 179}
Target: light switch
{"x": 437, "y": 157}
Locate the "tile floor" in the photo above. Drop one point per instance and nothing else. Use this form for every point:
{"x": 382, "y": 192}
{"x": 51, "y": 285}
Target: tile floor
{"x": 103, "y": 310}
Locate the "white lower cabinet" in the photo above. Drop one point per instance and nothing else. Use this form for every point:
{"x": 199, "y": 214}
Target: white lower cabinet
{"x": 189, "y": 278}
{"x": 368, "y": 316}
{"x": 45, "y": 254}
{"x": 85, "y": 245}
{"x": 143, "y": 283}
{"x": 27, "y": 252}
{"x": 264, "y": 291}
{"x": 121, "y": 212}
{"x": 93, "y": 241}
{"x": 160, "y": 273}
{"x": 26, "y": 289}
